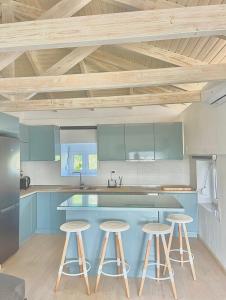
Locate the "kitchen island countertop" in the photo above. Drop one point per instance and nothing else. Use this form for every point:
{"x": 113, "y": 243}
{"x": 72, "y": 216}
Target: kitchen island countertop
{"x": 121, "y": 202}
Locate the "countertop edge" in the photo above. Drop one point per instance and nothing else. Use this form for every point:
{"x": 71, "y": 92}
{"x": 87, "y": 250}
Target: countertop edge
{"x": 139, "y": 191}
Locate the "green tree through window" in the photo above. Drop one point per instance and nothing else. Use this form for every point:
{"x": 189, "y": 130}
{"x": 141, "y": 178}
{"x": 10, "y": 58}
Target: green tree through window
{"x": 78, "y": 162}
{"x": 92, "y": 161}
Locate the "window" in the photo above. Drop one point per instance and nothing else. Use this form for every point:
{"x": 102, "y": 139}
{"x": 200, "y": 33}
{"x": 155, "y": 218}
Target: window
{"x": 79, "y": 157}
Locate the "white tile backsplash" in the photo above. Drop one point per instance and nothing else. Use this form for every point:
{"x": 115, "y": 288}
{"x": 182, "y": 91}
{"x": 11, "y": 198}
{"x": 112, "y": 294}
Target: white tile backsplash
{"x": 134, "y": 173}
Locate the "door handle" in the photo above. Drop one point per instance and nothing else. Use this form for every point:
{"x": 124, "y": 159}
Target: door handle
{"x": 4, "y": 210}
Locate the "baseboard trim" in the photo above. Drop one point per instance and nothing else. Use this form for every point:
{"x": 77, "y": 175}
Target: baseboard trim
{"x": 212, "y": 254}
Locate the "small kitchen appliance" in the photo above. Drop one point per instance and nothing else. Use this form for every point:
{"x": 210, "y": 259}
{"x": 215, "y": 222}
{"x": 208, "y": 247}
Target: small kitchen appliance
{"x": 25, "y": 182}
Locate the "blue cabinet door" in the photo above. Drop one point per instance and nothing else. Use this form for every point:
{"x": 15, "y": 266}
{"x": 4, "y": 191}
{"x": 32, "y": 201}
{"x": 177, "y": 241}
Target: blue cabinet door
{"x": 139, "y": 142}
{"x": 24, "y": 151}
{"x": 168, "y": 141}
{"x": 57, "y": 143}
{"x": 9, "y": 125}
{"x": 43, "y": 212}
{"x": 24, "y": 143}
{"x": 25, "y": 224}
{"x": 24, "y": 133}
{"x": 28, "y": 217}
{"x": 34, "y": 213}
{"x": 43, "y": 141}
{"x": 190, "y": 204}
{"x": 57, "y": 217}
{"x": 49, "y": 218}
{"x": 111, "y": 142}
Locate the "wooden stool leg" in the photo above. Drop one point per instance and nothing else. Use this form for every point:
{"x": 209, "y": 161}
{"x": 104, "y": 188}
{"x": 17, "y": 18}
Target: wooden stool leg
{"x": 79, "y": 255}
{"x": 169, "y": 244}
{"x": 148, "y": 249}
{"x": 189, "y": 252}
{"x": 118, "y": 235}
{"x": 181, "y": 244}
{"x": 62, "y": 261}
{"x": 81, "y": 246}
{"x": 117, "y": 255}
{"x": 103, "y": 252}
{"x": 169, "y": 266}
{"x": 157, "y": 257}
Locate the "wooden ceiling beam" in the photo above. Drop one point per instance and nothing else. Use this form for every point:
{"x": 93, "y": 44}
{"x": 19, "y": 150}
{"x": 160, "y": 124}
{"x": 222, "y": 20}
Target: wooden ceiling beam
{"x": 111, "y": 80}
{"x": 100, "y": 102}
{"x": 84, "y": 70}
{"x": 104, "y": 59}
{"x": 70, "y": 60}
{"x": 64, "y": 8}
{"x": 162, "y": 54}
{"x": 117, "y": 28}
{"x": 148, "y": 4}
{"x": 24, "y": 11}
{"x": 8, "y": 17}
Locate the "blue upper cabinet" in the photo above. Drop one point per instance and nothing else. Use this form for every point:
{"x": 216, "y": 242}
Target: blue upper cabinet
{"x": 139, "y": 142}
{"x": 111, "y": 142}
{"x": 24, "y": 143}
{"x": 168, "y": 141}
{"x": 24, "y": 133}
{"x": 9, "y": 125}
{"x": 44, "y": 143}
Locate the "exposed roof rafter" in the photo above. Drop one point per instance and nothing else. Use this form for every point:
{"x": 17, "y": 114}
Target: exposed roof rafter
{"x": 111, "y": 80}
{"x": 114, "y": 28}
{"x": 101, "y": 102}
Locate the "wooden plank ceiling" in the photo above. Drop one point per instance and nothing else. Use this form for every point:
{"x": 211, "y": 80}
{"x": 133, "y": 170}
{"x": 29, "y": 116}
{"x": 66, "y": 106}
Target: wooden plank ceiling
{"x": 155, "y": 52}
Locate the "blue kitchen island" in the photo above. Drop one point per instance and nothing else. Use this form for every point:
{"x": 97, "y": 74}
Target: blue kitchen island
{"x": 136, "y": 210}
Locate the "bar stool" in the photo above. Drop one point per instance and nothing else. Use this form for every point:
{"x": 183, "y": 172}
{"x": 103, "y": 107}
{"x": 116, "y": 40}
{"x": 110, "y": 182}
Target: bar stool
{"x": 157, "y": 230}
{"x": 115, "y": 227}
{"x": 75, "y": 227}
{"x": 181, "y": 220}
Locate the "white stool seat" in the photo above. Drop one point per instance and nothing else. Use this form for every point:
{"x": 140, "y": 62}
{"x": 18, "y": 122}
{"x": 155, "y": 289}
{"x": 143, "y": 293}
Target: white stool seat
{"x": 75, "y": 226}
{"x": 179, "y": 218}
{"x": 114, "y": 226}
{"x": 156, "y": 228}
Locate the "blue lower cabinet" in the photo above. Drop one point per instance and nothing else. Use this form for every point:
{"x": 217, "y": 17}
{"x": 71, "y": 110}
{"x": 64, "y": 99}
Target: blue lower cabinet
{"x": 28, "y": 217}
{"x": 49, "y": 218}
{"x": 189, "y": 202}
{"x": 43, "y": 212}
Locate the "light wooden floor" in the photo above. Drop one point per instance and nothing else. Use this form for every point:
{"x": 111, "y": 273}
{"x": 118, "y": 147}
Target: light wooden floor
{"x": 38, "y": 259}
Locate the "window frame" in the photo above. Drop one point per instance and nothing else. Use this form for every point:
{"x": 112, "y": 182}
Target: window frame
{"x": 84, "y": 149}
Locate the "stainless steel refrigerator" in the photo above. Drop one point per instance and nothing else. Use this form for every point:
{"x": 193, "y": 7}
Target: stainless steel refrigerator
{"x": 9, "y": 196}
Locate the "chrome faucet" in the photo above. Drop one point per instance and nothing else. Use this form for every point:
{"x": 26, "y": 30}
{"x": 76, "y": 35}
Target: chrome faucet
{"x": 81, "y": 184}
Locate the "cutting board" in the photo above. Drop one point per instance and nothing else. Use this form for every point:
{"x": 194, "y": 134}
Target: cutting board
{"x": 171, "y": 188}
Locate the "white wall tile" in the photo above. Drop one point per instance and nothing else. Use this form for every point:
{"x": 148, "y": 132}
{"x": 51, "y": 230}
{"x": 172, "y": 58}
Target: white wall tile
{"x": 134, "y": 173}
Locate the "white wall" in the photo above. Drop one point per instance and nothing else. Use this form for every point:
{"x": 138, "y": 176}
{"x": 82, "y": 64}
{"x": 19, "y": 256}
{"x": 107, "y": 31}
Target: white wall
{"x": 204, "y": 127}
{"x": 205, "y": 133}
{"x": 134, "y": 173}
{"x": 150, "y": 114}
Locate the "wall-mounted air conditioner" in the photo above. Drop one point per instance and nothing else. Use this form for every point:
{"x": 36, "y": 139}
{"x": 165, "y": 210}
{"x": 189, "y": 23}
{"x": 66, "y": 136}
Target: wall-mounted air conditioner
{"x": 214, "y": 93}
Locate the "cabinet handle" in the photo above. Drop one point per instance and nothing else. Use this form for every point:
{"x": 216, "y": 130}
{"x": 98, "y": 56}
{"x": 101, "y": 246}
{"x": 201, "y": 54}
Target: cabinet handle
{"x": 4, "y": 210}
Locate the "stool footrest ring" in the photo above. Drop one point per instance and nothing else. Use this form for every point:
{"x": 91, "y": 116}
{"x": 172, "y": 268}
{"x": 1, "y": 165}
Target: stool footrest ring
{"x": 88, "y": 265}
{"x": 160, "y": 278}
{"x": 115, "y": 275}
{"x": 179, "y": 260}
